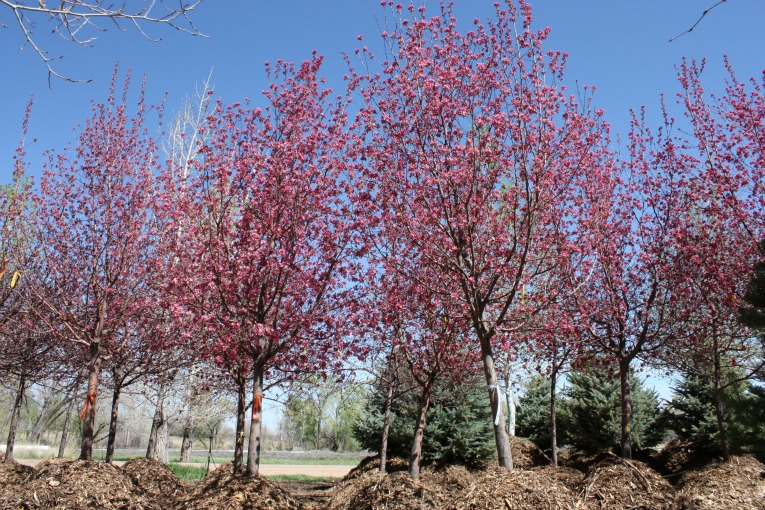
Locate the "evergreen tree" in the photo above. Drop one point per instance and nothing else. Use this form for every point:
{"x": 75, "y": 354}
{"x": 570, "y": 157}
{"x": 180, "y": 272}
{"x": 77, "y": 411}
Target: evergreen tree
{"x": 691, "y": 414}
{"x": 534, "y": 414}
{"x": 591, "y": 413}
{"x": 459, "y": 427}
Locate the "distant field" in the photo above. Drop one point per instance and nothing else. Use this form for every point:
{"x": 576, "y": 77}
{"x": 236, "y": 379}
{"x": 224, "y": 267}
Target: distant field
{"x": 279, "y": 458}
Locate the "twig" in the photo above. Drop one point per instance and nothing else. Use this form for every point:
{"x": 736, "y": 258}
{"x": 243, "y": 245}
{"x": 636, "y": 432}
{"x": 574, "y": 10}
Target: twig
{"x": 698, "y": 21}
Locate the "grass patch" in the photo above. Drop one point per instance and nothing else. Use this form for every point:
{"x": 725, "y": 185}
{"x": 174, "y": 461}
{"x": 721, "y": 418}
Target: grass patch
{"x": 298, "y": 461}
{"x": 188, "y": 473}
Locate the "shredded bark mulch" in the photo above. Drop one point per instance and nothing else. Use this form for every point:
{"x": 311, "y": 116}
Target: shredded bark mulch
{"x": 617, "y": 484}
{"x": 155, "y": 479}
{"x": 738, "y": 483}
{"x": 526, "y": 454}
{"x": 680, "y": 455}
{"x": 221, "y": 489}
{"x": 77, "y": 484}
{"x": 12, "y": 475}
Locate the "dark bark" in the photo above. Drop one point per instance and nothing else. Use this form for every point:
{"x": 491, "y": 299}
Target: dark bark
{"x": 626, "y": 398}
{"x": 722, "y": 424}
{"x": 386, "y": 429}
{"x": 554, "y": 418}
{"x": 240, "y": 410}
{"x": 11, "y": 442}
{"x": 88, "y": 415}
{"x": 256, "y": 424}
{"x": 419, "y": 430}
{"x": 152, "y": 451}
{"x": 504, "y": 455}
{"x": 110, "y": 442}
{"x": 188, "y": 437}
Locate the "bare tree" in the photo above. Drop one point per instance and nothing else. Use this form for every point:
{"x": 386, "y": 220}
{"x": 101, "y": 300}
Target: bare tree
{"x": 79, "y": 21}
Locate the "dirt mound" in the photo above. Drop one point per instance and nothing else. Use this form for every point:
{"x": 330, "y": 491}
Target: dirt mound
{"x": 224, "y": 490}
{"x": 13, "y": 474}
{"x": 681, "y": 455}
{"x": 526, "y": 454}
{"x": 616, "y": 484}
{"x": 155, "y": 479}
{"x": 63, "y": 483}
{"x": 738, "y": 483}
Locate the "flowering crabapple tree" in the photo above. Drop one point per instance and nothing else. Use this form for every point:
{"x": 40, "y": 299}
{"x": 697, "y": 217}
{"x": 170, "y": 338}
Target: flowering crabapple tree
{"x": 631, "y": 306}
{"x": 264, "y": 260}
{"x": 719, "y": 243}
{"x": 478, "y": 160}
{"x": 94, "y": 211}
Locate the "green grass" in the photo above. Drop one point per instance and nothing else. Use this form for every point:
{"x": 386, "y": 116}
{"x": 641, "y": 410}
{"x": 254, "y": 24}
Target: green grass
{"x": 188, "y": 473}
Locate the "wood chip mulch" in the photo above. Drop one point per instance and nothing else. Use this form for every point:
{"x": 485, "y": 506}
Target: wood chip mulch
{"x": 617, "y": 484}
{"x": 12, "y": 475}
{"x": 221, "y": 489}
{"x": 77, "y": 484}
{"x": 156, "y": 480}
{"x": 738, "y": 483}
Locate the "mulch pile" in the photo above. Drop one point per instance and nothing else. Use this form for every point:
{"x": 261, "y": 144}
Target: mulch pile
{"x": 155, "y": 479}
{"x": 526, "y": 454}
{"x": 61, "y": 483}
{"x": 738, "y": 483}
{"x": 12, "y": 475}
{"x": 223, "y": 490}
{"x": 681, "y": 455}
{"x": 617, "y": 484}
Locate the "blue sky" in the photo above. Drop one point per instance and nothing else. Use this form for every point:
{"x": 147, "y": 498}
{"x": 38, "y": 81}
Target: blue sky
{"x": 618, "y": 45}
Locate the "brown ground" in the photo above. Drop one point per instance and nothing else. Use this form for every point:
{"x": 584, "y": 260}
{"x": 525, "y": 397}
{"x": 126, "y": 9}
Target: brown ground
{"x": 603, "y": 482}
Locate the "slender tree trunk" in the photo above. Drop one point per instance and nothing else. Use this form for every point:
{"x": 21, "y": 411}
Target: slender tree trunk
{"x": 722, "y": 424}
{"x": 256, "y": 424}
{"x": 419, "y": 431}
{"x": 554, "y": 417}
{"x": 88, "y": 415}
{"x": 110, "y": 443}
{"x": 152, "y": 451}
{"x": 626, "y": 397}
{"x": 511, "y": 411}
{"x": 42, "y": 418}
{"x": 240, "y": 410}
{"x": 68, "y": 418}
{"x": 501, "y": 439}
{"x": 386, "y": 428}
{"x": 188, "y": 437}
{"x": 11, "y": 442}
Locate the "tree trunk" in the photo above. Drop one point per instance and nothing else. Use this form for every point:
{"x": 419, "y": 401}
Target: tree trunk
{"x": 188, "y": 437}
{"x": 553, "y": 418}
{"x": 511, "y": 411}
{"x": 152, "y": 450}
{"x": 722, "y": 424}
{"x": 504, "y": 455}
{"x": 626, "y": 397}
{"x": 386, "y": 429}
{"x": 240, "y": 410}
{"x": 68, "y": 418}
{"x": 256, "y": 424}
{"x": 88, "y": 415}
{"x": 10, "y": 443}
{"x": 110, "y": 443}
{"x": 419, "y": 431}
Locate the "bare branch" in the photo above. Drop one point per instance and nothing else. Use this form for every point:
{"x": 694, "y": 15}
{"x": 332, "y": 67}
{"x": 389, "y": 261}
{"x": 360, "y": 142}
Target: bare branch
{"x": 698, "y": 20}
{"x": 73, "y": 19}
